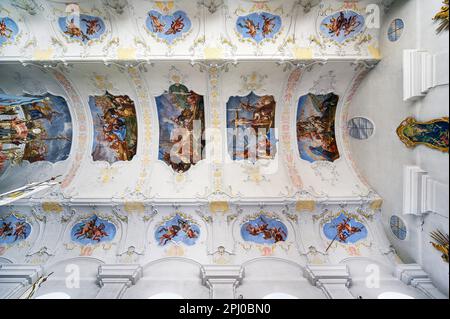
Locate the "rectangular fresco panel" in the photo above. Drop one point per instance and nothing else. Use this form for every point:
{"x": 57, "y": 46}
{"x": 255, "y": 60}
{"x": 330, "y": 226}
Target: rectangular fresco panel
{"x": 115, "y": 128}
{"x": 315, "y": 127}
{"x": 251, "y": 127}
{"x": 35, "y": 128}
{"x": 181, "y": 117}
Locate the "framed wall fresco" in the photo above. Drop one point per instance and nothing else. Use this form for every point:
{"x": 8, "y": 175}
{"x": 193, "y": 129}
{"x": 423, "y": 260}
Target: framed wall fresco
{"x": 345, "y": 230}
{"x": 433, "y": 134}
{"x": 264, "y": 230}
{"x": 316, "y": 127}
{"x": 34, "y": 128}
{"x": 181, "y": 117}
{"x": 258, "y": 26}
{"x": 8, "y": 30}
{"x": 82, "y": 28}
{"x": 93, "y": 230}
{"x": 115, "y": 128}
{"x": 177, "y": 230}
{"x": 342, "y": 26}
{"x": 13, "y": 230}
{"x": 251, "y": 127}
{"x": 168, "y": 28}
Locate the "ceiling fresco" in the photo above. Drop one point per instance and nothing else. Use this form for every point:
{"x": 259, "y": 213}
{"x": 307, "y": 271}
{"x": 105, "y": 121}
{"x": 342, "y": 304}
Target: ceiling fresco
{"x": 182, "y": 134}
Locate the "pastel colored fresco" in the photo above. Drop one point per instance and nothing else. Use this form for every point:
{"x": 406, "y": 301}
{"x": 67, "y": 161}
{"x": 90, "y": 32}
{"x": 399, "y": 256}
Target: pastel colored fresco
{"x": 181, "y": 117}
{"x": 93, "y": 230}
{"x": 251, "y": 127}
{"x": 264, "y": 230}
{"x": 433, "y": 134}
{"x": 258, "y": 26}
{"x": 168, "y": 27}
{"x": 316, "y": 127}
{"x": 13, "y": 230}
{"x": 177, "y": 230}
{"x": 83, "y": 28}
{"x": 345, "y": 230}
{"x": 342, "y": 25}
{"x": 34, "y": 128}
{"x": 8, "y": 30}
{"x": 115, "y": 128}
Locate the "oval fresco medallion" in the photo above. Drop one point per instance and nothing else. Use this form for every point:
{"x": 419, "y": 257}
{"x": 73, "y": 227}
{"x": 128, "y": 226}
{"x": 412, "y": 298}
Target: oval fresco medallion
{"x": 258, "y": 26}
{"x": 168, "y": 27}
{"x": 8, "y": 30}
{"x": 342, "y": 26}
{"x": 93, "y": 230}
{"x": 177, "y": 230}
{"x": 13, "y": 230}
{"x": 345, "y": 230}
{"x": 82, "y": 28}
{"x": 264, "y": 230}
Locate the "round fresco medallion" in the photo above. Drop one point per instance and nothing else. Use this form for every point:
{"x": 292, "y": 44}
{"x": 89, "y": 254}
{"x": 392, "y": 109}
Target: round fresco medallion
{"x": 177, "y": 230}
{"x": 168, "y": 27}
{"x": 8, "y": 30}
{"x": 342, "y": 26}
{"x": 258, "y": 26}
{"x": 93, "y": 230}
{"x": 345, "y": 230}
{"x": 264, "y": 230}
{"x": 83, "y": 28}
{"x": 13, "y": 230}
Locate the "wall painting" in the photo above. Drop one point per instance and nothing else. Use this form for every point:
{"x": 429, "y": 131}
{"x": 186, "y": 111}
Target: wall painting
{"x": 251, "y": 127}
{"x": 177, "y": 230}
{"x": 433, "y": 134}
{"x": 115, "y": 128}
{"x": 181, "y": 117}
{"x": 264, "y": 230}
{"x": 93, "y": 230}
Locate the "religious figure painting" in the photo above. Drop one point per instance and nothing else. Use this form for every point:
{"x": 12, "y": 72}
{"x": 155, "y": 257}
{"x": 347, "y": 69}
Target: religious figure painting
{"x": 342, "y": 25}
{"x": 115, "y": 128}
{"x": 8, "y": 30}
{"x": 93, "y": 230}
{"x": 168, "y": 27}
{"x": 82, "y": 28}
{"x": 34, "y": 128}
{"x": 433, "y": 134}
{"x": 181, "y": 117}
{"x": 264, "y": 230}
{"x": 177, "y": 230}
{"x": 258, "y": 26}
{"x": 13, "y": 230}
{"x": 345, "y": 230}
{"x": 251, "y": 127}
{"x": 316, "y": 127}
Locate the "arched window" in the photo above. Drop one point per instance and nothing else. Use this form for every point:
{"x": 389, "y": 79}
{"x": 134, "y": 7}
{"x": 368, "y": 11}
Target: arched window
{"x": 393, "y": 295}
{"x": 395, "y": 30}
{"x": 54, "y": 295}
{"x": 398, "y": 227}
{"x": 360, "y": 128}
{"x": 166, "y": 295}
{"x": 279, "y": 295}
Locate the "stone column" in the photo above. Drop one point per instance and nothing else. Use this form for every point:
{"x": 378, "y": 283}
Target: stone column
{"x": 15, "y": 279}
{"x": 333, "y": 280}
{"x": 222, "y": 281}
{"x": 115, "y": 279}
{"x": 413, "y": 275}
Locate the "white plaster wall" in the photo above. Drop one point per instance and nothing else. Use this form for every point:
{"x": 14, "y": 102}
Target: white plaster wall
{"x": 381, "y": 158}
